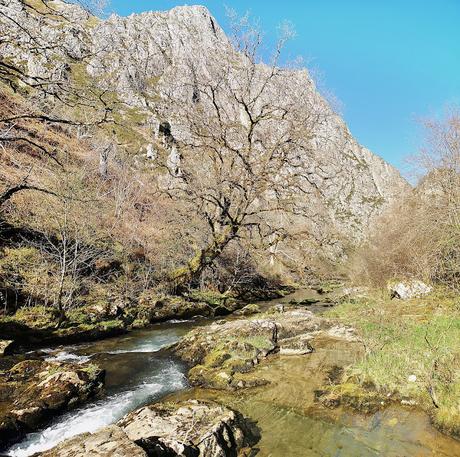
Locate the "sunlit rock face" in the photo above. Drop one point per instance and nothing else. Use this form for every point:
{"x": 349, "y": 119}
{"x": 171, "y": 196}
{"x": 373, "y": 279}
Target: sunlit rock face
{"x": 354, "y": 184}
{"x": 147, "y": 58}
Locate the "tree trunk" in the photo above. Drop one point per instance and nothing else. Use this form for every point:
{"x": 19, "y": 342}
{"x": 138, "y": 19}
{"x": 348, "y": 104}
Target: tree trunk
{"x": 189, "y": 275}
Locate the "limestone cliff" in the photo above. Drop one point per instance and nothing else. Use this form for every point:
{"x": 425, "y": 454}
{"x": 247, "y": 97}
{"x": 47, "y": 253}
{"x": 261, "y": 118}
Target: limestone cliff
{"x": 140, "y": 57}
{"x": 354, "y": 183}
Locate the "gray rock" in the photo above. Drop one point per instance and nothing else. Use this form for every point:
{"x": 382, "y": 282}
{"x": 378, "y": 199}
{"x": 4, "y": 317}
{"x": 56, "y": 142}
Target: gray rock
{"x": 108, "y": 442}
{"x": 409, "y": 289}
{"x": 191, "y": 428}
{"x": 219, "y": 353}
{"x": 297, "y": 345}
{"x": 33, "y": 391}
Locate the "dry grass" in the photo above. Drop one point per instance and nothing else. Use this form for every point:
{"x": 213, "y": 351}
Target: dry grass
{"x": 420, "y": 235}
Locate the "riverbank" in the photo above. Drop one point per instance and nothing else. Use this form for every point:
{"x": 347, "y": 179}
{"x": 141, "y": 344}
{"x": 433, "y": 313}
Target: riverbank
{"x": 412, "y": 355}
{"x": 37, "y": 326}
{"x": 268, "y": 365}
{"x": 277, "y": 387}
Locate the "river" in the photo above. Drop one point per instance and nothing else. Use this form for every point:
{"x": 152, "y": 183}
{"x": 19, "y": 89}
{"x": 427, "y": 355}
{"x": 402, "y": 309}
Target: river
{"x": 139, "y": 370}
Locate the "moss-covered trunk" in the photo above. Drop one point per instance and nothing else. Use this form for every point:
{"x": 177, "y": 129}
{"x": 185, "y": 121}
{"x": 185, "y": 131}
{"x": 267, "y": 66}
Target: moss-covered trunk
{"x": 190, "y": 274}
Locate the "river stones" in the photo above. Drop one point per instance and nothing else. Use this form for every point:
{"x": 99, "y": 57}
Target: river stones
{"x": 248, "y": 310}
{"x": 189, "y": 428}
{"x": 33, "y": 391}
{"x": 223, "y": 351}
{"x": 108, "y": 442}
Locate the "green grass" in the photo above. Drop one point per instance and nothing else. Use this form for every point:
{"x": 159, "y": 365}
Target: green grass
{"x": 403, "y": 339}
{"x": 35, "y": 316}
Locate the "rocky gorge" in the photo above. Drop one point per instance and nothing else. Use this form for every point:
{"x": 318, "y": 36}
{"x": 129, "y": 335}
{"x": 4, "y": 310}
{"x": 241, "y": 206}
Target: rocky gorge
{"x": 190, "y": 261}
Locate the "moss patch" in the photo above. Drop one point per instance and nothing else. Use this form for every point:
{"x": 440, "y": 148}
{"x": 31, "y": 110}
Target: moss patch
{"x": 413, "y": 353}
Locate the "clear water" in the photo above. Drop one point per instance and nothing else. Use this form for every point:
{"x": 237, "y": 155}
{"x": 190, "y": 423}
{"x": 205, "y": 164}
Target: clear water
{"x": 138, "y": 372}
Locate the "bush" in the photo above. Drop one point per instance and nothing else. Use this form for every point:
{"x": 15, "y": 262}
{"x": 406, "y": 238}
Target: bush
{"x": 420, "y": 235}
{"x": 23, "y": 277}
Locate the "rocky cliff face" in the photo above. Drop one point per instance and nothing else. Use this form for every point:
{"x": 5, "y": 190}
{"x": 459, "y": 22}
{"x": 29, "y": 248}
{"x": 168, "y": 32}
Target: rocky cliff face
{"x": 141, "y": 58}
{"x": 355, "y": 185}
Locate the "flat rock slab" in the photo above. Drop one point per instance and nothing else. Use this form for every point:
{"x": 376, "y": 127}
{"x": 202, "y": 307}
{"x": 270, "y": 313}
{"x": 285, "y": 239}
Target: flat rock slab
{"x": 224, "y": 351}
{"x": 190, "y": 429}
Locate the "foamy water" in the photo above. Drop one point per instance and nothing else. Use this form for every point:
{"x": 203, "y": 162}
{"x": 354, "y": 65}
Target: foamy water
{"x": 154, "y": 377}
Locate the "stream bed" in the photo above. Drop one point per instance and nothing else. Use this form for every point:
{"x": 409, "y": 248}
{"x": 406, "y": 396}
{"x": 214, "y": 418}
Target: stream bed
{"x": 139, "y": 370}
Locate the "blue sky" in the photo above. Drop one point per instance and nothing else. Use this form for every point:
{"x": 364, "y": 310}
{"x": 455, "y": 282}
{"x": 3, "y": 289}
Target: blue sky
{"x": 389, "y": 62}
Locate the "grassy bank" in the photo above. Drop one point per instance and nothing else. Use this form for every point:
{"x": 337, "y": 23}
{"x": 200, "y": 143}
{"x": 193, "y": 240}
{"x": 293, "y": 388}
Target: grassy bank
{"x": 412, "y": 354}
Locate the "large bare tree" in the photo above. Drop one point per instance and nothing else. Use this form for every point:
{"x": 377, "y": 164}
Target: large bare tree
{"x": 241, "y": 136}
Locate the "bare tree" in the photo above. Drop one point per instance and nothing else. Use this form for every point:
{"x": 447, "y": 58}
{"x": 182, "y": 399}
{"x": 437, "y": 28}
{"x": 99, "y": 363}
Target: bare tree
{"x": 244, "y": 136}
{"x": 422, "y": 231}
{"x": 69, "y": 236}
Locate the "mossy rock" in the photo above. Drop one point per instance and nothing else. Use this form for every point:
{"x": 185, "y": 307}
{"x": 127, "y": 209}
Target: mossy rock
{"x": 248, "y": 310}
{"x": 216, "y": 358}
{"x": 214, "y": 378}
{"x": 34, "y": 391}
{"x": 353, "y": 396}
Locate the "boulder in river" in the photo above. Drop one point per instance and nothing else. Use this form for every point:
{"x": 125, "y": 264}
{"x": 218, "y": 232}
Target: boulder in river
{"x": 33, "y": 391}
{"x": 223, "y": 351}
{"x": 190, "y": 429}
{"x": 108, "y": 442}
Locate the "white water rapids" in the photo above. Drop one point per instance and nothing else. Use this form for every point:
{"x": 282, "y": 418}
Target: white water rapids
{"x": 135, "y": 376}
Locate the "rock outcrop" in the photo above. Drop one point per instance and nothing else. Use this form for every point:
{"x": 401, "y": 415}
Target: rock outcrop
{"x": 409, "y": 289}
{"x": 223, "y": 351}
{"x": 33, "y": 391}
{"x": 189, "y": 428}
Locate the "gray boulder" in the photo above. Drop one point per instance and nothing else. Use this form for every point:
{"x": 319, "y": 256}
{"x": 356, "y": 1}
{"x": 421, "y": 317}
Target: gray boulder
{"x": 409, "y": 289}
{"x": 187, "y": 429}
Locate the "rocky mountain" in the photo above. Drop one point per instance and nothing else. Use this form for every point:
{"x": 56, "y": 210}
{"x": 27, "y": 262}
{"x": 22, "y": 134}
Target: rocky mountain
{"x": 150, "y": 58}
{"x": 355, "y": 183}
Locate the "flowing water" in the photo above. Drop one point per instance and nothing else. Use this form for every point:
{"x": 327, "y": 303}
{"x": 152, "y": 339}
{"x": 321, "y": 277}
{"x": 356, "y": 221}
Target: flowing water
{"x": 140, "y": 371}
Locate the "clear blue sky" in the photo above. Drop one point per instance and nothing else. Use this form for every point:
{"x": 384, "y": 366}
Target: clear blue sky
{"x": 389, "y": 62}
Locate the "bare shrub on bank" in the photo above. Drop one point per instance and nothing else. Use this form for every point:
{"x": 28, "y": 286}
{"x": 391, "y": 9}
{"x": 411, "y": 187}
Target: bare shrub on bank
{"x": 420, "y": 235}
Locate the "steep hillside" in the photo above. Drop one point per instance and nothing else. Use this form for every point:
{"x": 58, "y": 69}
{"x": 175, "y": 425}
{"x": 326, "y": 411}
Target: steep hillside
{"x": 249, "y": 154}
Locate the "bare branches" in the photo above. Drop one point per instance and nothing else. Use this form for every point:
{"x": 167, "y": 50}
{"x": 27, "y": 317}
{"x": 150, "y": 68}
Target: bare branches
{"x": 243, "y": 143}
{"x": 6, "y": 195}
